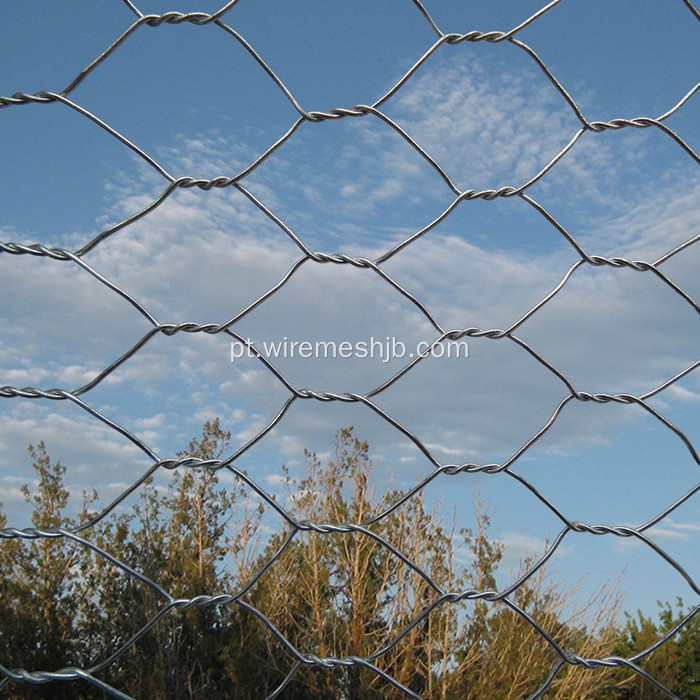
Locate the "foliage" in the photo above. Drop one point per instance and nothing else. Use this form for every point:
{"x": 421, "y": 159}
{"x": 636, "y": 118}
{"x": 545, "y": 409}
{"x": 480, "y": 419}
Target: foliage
{"x": 675, "y": 664}
{"x": 336, "y": 590}
{"x": 41, "y": 583}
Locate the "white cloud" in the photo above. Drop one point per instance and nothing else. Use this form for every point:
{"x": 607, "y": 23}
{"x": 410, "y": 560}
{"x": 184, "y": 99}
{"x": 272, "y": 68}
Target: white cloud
{"x": 669, "y": 528}
{"x": 443, "y": 451}
{"x": 486, "y": 124}
{"x": 681, "y": 394}
{"x": 275, "y": 480}
{"x": 662, "y": 533}
{"x": 658, "y": 217}
{"x": 155, "y": 421}
{"x": 519, "y": 547}
{"x": 691, "y": 527}
{"x": 93, "y": 453}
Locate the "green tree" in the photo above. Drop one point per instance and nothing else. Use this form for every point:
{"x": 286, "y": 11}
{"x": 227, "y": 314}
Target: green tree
{"x": 42, "y": 589}
{"x": 675, "y": 664}
{"x": 180, "y": 540}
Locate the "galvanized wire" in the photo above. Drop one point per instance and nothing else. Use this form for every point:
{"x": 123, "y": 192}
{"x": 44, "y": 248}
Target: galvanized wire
{"x": 145, "y": 22}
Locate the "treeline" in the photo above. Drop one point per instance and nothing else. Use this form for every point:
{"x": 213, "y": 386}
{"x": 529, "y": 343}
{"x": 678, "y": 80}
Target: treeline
{"x": 330, "y": 595}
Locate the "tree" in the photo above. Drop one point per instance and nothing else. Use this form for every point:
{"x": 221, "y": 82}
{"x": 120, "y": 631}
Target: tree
{"x": 41, "y": 586}
{"x": 180, "y": 540}
{"x": 346, "y": 595}
{"x": 337, "y": 591}
{"x": 508, "y": 658}
{"x": 675, "y": 664}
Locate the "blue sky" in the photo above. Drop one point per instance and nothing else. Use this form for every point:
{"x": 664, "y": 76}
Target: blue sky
{"x": 194, "y": 100}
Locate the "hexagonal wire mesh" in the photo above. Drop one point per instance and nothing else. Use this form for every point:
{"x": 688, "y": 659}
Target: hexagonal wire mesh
{"x": 172, "y": 184}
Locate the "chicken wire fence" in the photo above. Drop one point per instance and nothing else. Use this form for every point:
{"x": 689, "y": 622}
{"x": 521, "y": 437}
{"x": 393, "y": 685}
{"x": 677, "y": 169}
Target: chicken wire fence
{"x": 223, "y": 19}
